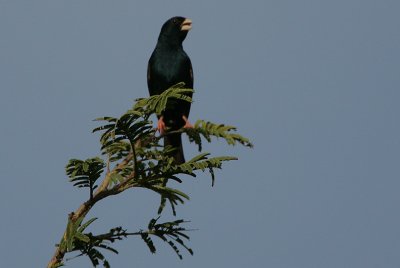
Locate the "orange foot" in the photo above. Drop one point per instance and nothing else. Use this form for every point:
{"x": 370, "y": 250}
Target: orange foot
{"x": 161, "y": 125}
{"x": 187, "y": 123}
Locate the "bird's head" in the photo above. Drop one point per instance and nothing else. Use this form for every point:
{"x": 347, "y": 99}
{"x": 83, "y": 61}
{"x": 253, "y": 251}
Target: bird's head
{"x": 175, "y": 29}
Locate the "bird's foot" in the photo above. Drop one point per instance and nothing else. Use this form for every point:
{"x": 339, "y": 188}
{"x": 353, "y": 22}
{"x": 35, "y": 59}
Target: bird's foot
{"x": 161, "y": 125}
{"x": 187, "y": 123}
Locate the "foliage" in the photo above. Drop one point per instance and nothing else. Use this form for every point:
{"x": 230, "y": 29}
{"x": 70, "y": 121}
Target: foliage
{"x": 134, "y": 158}
{"x": 207, "y": 130}
{"x": 85, "y": 173}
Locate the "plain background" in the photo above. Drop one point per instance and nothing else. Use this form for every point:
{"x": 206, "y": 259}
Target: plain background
{"x": 314, "y": 84}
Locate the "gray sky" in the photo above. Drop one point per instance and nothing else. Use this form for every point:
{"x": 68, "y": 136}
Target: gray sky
{"x": 314, "y": 84}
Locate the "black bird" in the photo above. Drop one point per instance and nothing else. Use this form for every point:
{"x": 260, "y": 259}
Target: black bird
{"x": 168, "y": 65}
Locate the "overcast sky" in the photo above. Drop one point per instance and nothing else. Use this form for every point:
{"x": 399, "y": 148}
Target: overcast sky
{"x": 314, "y": 84}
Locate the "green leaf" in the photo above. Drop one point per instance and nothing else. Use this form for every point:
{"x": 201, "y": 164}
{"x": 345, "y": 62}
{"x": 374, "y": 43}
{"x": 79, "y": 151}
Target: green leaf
{"x": 148, "y": 242}
{"x": 169, "y": 232}
{"x": 207, "y": 130}
{"x": 157, "y": 103}
{"x": 134, "y": 152}
{"x": 86, "y": 224}
{"x": 82, "y": 237}
{"x": 116, "y": 178}
{"x": 84, "y": 173}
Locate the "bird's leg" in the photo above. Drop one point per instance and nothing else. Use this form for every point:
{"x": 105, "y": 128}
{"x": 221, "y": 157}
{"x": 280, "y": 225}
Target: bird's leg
{"x": 187, "y": 123}
{"x": 161, "y": 125}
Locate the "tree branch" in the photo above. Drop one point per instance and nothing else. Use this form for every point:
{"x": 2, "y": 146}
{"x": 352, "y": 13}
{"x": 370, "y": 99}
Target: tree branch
{"x": 101, "y": 192}
{"x": 140, "y": 164}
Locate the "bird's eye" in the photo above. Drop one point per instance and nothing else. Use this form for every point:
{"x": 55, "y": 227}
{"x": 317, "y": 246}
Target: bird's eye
{"x": 175, "y": 21}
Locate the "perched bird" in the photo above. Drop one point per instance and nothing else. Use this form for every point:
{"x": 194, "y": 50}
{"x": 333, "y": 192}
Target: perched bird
{"x": 168, "y": 65}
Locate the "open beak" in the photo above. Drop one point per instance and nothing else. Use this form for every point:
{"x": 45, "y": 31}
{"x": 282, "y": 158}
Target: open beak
{"x": 186, "y": 25}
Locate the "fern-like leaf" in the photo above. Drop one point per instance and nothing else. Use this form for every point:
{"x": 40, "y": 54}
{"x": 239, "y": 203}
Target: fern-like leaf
{"x": 157, "y": 103}
{"x": 207, "y": 130}
{"x": 169, "y": 232}
{"x": 84, "y": 173}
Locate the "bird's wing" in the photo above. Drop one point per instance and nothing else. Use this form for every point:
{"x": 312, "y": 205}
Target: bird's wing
{"x": 149, "y": 82}
{"x": 153, "y": 82}
{"x": 191, "y": 73}
{"x": 148, "y": 73}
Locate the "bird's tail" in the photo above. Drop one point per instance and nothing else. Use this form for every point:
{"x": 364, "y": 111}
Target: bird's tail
{"x": 175, "y": 140}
